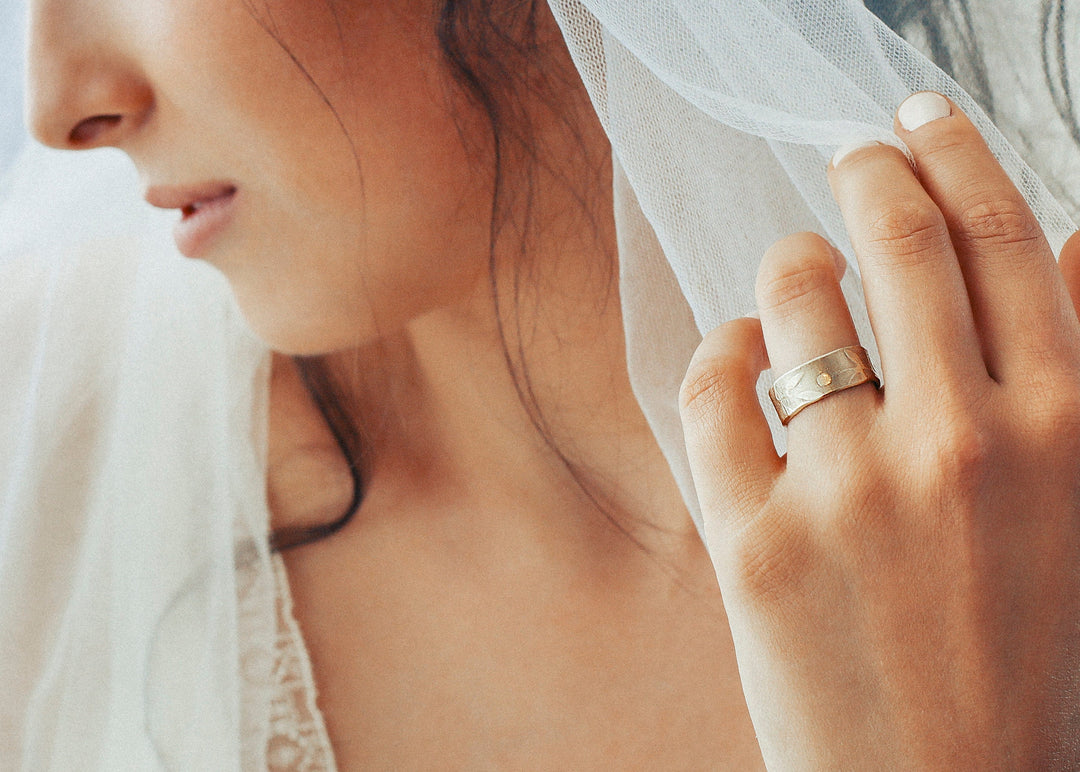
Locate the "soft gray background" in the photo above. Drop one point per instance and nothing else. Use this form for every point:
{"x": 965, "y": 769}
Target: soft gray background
{"x": 12, "y": 134}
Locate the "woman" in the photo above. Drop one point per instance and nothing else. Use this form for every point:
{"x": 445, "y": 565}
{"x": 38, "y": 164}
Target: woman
{"x": 418, "y": 205}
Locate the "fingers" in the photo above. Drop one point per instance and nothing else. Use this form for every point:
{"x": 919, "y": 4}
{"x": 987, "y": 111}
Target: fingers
{"x": 960, "y": 284}
{"x": 732, "y": 457}
{"x": 803, "y": 316}
{"x": 1017, "y": 299}
{"x": 915, "y": 292}
{"x": 803, "y": 311}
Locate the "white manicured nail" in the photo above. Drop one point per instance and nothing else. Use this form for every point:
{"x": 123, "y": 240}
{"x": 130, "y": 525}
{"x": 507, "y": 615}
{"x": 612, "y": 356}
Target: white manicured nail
{"x": 919, "y": 109}
{"x": 847, "y": 150}
{"x": 753, "y": 315}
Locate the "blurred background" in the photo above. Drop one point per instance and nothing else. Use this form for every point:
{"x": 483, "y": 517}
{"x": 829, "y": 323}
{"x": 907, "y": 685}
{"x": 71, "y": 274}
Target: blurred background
{"x": 12, "y": 134}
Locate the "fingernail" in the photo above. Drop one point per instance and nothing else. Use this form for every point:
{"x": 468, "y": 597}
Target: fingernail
{"x": 919, "y": 109}
{"x": 753, "y": 315}
{"x": 848, "y": 149}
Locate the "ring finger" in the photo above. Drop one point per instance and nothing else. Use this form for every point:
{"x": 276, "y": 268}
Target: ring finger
{"x": 803, "y": 316}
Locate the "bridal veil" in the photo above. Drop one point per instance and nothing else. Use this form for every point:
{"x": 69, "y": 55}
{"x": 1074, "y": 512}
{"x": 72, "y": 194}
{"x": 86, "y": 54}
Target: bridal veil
{"x": 136, "y": 600}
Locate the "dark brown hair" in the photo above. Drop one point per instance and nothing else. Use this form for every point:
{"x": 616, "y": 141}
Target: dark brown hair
{"x": 497, "y": 55}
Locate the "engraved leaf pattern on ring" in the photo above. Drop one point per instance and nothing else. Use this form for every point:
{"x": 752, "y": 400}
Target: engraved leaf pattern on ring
{"x": 800, "y": 389}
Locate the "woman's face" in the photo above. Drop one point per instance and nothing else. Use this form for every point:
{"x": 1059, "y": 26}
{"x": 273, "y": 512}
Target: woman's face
{"x": 342, "y": 226}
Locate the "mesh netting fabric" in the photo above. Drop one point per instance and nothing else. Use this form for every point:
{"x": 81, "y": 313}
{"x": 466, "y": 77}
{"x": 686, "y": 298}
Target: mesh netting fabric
{"x": 723, "y": 115}
{"x": 132, "y": 398}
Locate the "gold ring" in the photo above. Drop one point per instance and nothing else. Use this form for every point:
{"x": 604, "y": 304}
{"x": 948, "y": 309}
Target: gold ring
{"x": 842, "y": 369}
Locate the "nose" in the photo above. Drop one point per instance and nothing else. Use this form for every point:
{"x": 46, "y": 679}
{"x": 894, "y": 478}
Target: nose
{"x": 82, "y": 91}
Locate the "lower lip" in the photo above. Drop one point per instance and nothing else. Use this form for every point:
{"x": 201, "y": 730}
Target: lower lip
{"x": 195, "y": 233}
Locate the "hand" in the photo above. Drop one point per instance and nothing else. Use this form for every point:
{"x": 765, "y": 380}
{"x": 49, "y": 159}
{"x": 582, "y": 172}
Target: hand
{"x": 904, "y": 586}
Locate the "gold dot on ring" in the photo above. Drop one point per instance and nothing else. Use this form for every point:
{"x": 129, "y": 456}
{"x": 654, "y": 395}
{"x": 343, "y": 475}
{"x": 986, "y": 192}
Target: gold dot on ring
{"x": 824, "y": 380}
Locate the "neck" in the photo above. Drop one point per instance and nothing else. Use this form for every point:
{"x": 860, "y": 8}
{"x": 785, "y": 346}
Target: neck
{"x": 522, "y": 400}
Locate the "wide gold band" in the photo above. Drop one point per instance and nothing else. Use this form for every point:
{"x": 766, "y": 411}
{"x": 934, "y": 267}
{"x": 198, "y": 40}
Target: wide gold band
{"x": 842, "y": 369}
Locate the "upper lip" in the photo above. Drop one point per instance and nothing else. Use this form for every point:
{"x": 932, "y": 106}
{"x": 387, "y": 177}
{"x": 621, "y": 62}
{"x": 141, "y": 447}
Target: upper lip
{"x": 187, "y": 197}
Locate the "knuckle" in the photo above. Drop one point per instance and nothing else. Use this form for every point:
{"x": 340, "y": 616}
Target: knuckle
{"x": 909, "y": 231}
{"x": 945, "y": 146}
{"x": 707, "y": 385}
{"x": 1052, "y": 406}
{"x": 1000, "y": 221}
{"x": 961, "y": 454}
{"x": 793, "y": 272}
{"x": 1056, "y": 431}
{"x": 772, "y": 559}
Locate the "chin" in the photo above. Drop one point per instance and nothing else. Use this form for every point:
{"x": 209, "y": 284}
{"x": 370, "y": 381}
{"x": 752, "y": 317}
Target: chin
{"x": 306, "y": 341}
{"x": 295, "y": 333}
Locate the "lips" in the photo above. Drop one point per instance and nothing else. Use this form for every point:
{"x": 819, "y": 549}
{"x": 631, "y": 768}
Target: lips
{"x": 191, "y": 197}
{"x": 205, "y": 212}
{"x": 195, "y": 206}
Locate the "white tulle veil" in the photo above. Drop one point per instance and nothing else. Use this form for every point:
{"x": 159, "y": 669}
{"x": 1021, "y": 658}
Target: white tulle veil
{"x": 136, "y": 610}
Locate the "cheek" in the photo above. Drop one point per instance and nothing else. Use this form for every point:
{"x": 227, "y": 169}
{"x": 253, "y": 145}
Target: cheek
{"x": 406, "y": 234}
{"x": 317, "y": 279}
{"x": 321, "y": 313}
{"x": 361, "y": 221}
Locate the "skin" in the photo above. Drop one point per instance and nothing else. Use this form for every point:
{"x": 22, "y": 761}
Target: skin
{"x": 914, "y": 603}
{"x": 325, "y": 277}
{"x": 476, "y": 572}
{"x": 448, "y": 596}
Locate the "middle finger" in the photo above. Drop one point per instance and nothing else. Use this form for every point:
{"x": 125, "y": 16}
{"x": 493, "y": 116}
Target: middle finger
{"x": 915, "y": 293}
{"x": 1018, "y": 297}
